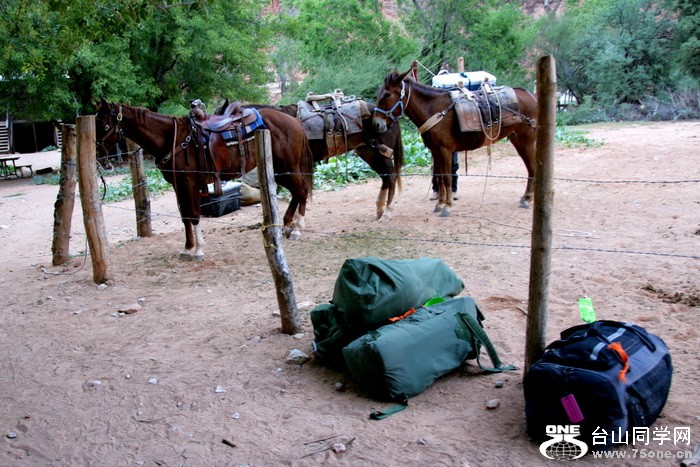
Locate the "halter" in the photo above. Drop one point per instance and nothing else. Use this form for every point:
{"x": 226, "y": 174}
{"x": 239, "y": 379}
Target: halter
{"x": 399, "y": 103}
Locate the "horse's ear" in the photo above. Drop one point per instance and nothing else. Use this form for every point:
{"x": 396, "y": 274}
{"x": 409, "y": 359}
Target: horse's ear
{"x": 99, "y": 103}
{"x": 391, "y": 77}
{"x": 401, "y": 77}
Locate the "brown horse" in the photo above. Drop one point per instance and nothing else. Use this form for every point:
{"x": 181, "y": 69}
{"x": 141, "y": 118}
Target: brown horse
{"x": 421, "y": 103}
{"x": 178, "y": 148}
{"x": 368, "y": 146}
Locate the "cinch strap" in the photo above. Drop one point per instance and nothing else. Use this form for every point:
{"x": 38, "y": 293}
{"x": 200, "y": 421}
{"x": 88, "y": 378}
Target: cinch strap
{"x": 479, "y": 337}
{"x": 382, "y": 414}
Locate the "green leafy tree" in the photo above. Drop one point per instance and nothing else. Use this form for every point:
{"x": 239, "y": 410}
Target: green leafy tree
{"x": 489, "y": 35}
{"x": 613, "y": 51}
{"x": 59, "y": 56}
{"x": 688, "y": 42}
{"x": 344, "y": 44}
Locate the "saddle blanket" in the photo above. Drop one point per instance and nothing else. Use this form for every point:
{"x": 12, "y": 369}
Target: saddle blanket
{"x": 482, "y": 110}
{"x": 230, "y": 135}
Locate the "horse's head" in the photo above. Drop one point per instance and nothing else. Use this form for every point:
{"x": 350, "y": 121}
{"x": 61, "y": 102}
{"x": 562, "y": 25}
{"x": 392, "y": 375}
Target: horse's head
{"x": 391, "y": 99}
{"x": 107, "y": 127}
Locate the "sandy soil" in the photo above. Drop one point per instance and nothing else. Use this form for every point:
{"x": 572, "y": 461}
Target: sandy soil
{"x": 74, "y": 373}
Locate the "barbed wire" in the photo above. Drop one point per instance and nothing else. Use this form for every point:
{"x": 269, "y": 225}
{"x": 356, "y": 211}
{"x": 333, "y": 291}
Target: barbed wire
{"x": 572, "y": 233}
{"x": 501, "y": 245}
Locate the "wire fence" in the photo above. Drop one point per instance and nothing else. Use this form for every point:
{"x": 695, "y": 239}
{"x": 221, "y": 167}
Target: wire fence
{"x": 231, "y": 221}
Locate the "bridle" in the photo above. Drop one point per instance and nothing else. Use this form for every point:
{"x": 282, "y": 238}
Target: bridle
{"x": 399, "y": 104}
{"x": 117, "y": 117}
{"x": 109, "y": 130}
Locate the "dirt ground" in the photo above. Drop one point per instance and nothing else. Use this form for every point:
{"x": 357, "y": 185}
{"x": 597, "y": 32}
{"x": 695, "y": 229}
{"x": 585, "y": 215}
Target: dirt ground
{"x": 204, "y": 360}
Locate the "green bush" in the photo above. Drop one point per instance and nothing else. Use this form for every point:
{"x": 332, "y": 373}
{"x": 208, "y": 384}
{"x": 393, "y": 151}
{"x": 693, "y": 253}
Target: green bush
{"x": 588, "y": 112}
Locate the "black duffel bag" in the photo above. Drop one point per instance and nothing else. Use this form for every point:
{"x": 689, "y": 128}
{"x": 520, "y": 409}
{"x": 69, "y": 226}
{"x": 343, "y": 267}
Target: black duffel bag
{"x": 608, "y": 377}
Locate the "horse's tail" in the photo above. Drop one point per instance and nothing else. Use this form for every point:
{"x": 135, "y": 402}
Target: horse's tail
{"x": 307, "y": 167}
{"x": 398, "y": 156}
{"x": 528, "y": 105}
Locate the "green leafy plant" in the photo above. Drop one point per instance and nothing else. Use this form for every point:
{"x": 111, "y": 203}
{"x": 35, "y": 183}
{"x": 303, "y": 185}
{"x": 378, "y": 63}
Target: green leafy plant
{"x": 572, "y": 138}
{"x": 120, "y": 189}
{"x": 340, "y": 171}
{"x": 123, "y": 189}
{"x": 416, "y": 155}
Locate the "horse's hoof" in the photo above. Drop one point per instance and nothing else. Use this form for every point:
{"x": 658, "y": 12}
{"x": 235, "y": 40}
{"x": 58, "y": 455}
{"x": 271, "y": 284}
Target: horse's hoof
{"x": 185, "y": 257}
{"x": 385, "y": 218}
{"x": 295, "y": 235}
{"x": 198, "y": 258}
{"x": 437, "y": 208}
{"x": 445, "y": 213}
{"x": 524, "y": 204}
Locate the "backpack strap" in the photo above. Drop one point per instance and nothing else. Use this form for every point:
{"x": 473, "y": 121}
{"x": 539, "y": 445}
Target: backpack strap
{"x": 478, "y": 337}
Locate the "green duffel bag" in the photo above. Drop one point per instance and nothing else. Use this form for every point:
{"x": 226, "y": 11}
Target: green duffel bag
{"x": 369, "y": 291}
{"x": 400, "y": 360}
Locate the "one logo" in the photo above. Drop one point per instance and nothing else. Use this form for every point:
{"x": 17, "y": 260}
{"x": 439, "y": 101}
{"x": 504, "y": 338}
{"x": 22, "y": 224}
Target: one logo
{"x": 563, "y": 446}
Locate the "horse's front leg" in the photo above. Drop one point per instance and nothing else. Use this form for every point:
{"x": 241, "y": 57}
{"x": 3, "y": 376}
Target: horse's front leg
{"x": 188, "y": 201}
{"x": 199, "y": 240}
{"x": 186, "y": 253}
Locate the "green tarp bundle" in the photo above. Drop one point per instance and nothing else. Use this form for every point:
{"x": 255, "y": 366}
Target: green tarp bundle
{"x": 400, "y": 360}
{"x": 369, "y": 291}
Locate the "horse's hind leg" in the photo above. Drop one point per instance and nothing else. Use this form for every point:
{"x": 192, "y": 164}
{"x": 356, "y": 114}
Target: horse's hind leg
{"x": 384, "y": 167}
{"x": 293, "y": 219}
{"x": 383, "y": 208}
{"x": 525, "y": 144}
{"x": 292, "y": 223}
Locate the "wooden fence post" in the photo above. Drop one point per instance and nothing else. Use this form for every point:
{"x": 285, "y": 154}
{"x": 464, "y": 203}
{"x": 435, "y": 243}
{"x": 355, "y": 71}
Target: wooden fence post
{"x": 272, "y": 236}
{"x": 90, "y": 198}
{"x": 65, "y": 200}
{"x": 140, "y": 189}
{"x": 541, "y": 252}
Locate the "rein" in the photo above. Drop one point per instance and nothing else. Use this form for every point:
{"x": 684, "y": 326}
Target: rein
{"x": 172, "y": 153}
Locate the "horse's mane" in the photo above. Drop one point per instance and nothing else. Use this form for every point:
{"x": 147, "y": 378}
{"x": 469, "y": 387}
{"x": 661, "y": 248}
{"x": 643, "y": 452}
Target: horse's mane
{"x": 394, "y": 77}
{"x": 430, "y": 91}
{"x": 142, "y": 115}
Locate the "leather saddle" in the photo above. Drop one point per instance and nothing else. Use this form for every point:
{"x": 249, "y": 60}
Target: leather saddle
{"x": 233, "y": 116}
{"x": 482, "y": 110}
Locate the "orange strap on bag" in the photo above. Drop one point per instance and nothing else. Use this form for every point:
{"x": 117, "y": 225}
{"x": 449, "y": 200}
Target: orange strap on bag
{"x": 617, "y": 347}
{"x": 405, "y": 315}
